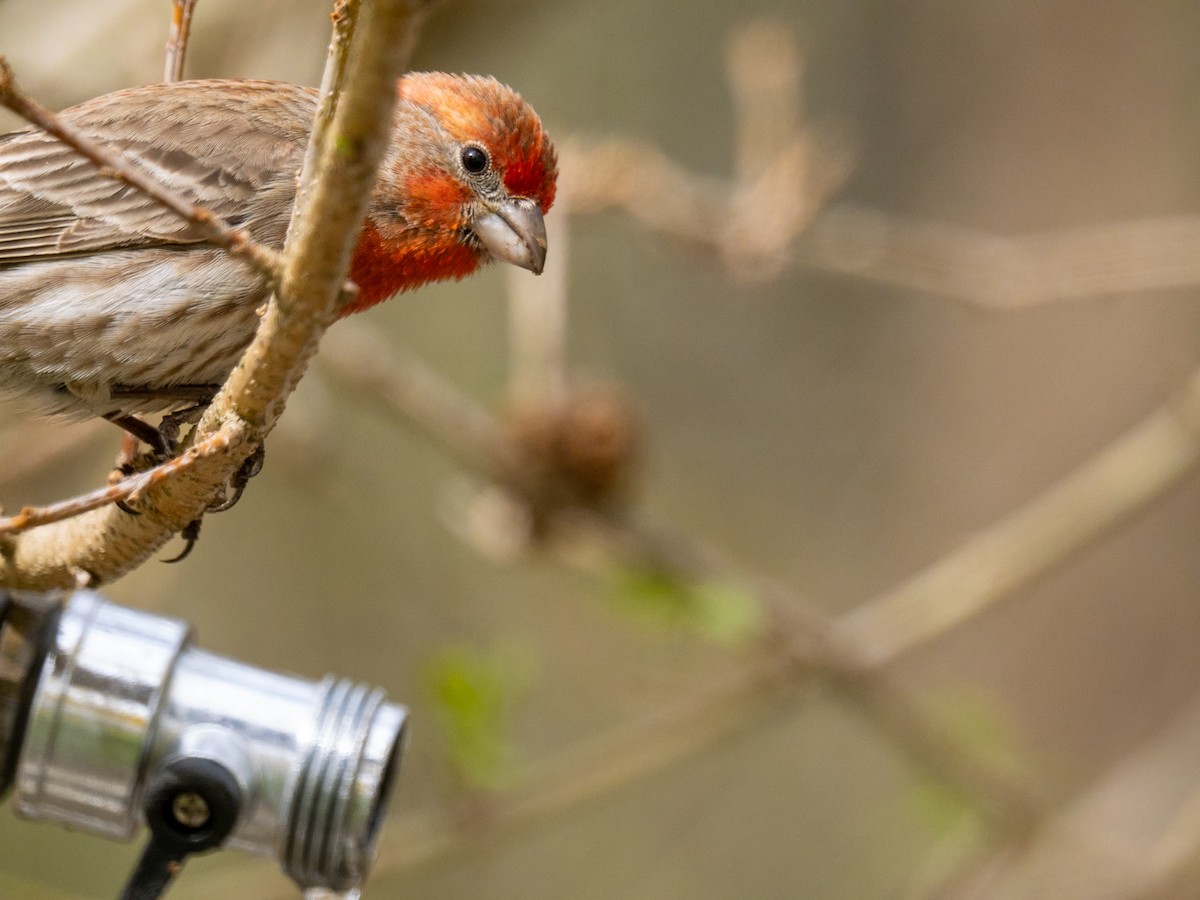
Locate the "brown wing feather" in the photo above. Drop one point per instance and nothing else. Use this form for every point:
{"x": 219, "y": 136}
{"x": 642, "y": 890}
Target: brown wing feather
{"x": 220, "y": 143}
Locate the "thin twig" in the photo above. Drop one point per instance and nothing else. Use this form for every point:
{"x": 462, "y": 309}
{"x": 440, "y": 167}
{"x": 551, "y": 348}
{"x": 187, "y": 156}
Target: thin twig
{"x": 351, "y": 148}
{"x": 177, "y": 42}
{"x": 1107, "y": 490}
{"x": 344, "y": 19}
{"x": 993, "y": 271}
{"x": 112, "y": 164}
{"x": 127, "y": 489}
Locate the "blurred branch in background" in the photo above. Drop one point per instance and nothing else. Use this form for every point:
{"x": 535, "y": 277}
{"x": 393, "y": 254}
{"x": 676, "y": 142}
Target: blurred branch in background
{"x": 1134, "y": 834}
{"x": 776, "y": 210}
{"x": 1104, "y": 492}
{"x": 795, "y": 227}
{"x": 785, "y": 172}
{"x": 759, "y": 229}
{"x": 558, "y": 465}
{"x": 1005, "y": 272}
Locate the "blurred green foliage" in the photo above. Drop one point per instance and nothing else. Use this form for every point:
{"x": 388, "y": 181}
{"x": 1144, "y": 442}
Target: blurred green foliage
{"x": 475, "y": 694}
{"x": 720, "y": 611}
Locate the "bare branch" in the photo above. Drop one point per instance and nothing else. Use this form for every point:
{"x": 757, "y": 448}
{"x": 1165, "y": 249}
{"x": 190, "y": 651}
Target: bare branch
{"x": 344, "y": 19}
{"x": 1107, "y": 490}
{"x": 327, "y": 216}
{"x": 177, "y": 42}
{"x": 127, "y": 489}
{"x": 1006, "y": 273}
{"x": 107, "y": 542}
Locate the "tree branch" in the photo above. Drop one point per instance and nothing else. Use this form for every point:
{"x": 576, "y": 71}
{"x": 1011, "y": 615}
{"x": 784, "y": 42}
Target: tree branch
{"x": 177, "y": 41}
{"x": 1104, "y": 492}
{"x": 127, "y": 489}
{"x": 107, "y": 542}
{"x": 1006, "y": 273}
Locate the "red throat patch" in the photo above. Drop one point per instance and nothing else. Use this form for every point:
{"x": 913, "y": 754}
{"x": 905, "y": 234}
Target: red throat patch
{"x": 382, "y": 267}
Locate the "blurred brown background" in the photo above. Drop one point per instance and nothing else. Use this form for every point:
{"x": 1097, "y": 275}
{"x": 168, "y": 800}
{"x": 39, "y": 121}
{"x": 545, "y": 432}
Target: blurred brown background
{"x": 830, "y": 431}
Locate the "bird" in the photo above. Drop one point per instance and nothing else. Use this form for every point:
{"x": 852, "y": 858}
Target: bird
{"x": 113, "y": 306}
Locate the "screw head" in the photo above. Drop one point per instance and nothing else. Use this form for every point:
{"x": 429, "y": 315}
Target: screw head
{"x": 190, "y": 809}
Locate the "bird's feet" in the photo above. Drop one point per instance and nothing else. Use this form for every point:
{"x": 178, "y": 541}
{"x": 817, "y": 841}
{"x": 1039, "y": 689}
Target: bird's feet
{"x": 162, "y": 442}
{"x": 162, "y": 446}
{"x": 232, "y": 494}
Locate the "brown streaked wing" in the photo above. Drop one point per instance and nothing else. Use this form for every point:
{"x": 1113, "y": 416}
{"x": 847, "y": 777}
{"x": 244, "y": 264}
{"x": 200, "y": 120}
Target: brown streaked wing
{"x": 219, "y": 143}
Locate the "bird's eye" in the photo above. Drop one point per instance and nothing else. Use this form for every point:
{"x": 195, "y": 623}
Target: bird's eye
{"x": 474, "y": 159}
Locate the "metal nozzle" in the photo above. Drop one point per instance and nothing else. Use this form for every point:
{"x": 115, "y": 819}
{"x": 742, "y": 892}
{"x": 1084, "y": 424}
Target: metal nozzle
{"x": 112, "y": 697}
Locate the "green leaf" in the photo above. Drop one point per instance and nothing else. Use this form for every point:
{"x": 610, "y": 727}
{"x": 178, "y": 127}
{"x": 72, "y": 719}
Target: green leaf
{"x": 939, "y": 807}
{"x": 474, "y": 694}
{"x": 720, "y": 611}
{"x": 949, "y": 819}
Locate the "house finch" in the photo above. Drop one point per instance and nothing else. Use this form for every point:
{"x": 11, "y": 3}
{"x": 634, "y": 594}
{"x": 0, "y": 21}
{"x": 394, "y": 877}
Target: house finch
{"x": 111, "y": 305}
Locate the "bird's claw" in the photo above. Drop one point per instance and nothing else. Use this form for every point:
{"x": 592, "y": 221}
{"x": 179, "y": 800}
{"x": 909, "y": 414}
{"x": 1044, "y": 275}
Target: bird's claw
{"x": 190, "y": 534}
{"x": 251, "y": 467}
{"x": 126, "y": 508}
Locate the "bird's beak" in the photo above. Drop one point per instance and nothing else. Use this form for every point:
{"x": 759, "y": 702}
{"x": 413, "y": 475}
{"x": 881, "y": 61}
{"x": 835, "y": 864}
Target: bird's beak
{"x": 514, "y": 232}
